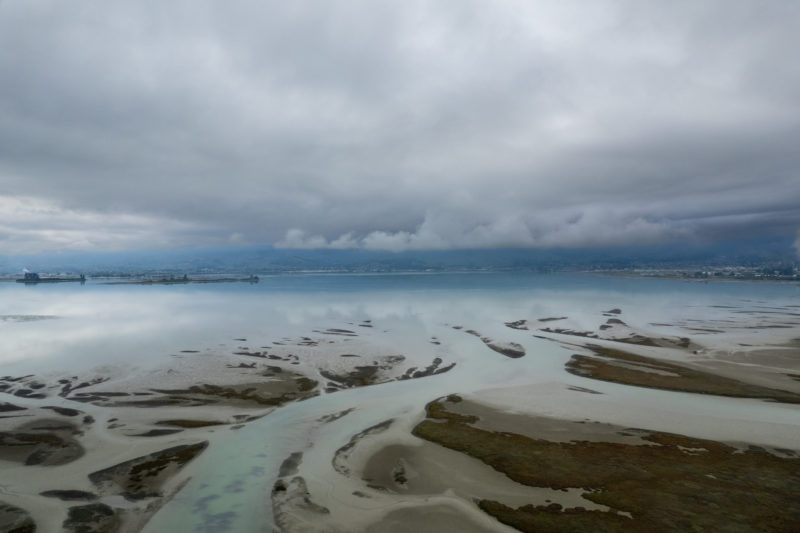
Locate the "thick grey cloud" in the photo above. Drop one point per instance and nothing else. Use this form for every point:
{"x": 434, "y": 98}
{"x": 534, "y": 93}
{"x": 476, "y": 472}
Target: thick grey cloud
{"x": 395, "y": 125}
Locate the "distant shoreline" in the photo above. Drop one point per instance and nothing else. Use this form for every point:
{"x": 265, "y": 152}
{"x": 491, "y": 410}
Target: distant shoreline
{"x": 182, "y": 281}
{"x": 686, "y": 276}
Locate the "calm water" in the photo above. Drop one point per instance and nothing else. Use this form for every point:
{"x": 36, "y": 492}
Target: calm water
{"x": 68, "y": 328}
{"x": 98, "y": 324}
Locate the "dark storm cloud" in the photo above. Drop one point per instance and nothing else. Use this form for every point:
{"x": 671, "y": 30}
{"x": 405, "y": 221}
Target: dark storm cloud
{"x": 395, "y": 125}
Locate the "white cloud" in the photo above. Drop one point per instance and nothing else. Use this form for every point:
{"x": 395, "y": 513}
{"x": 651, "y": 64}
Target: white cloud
{"x": 237, "y": 239}
{"x": 297, "y": 239}
{"x": 393, "y": 242}
{"x": 344, "y": 242}
{"x": 32, "y": 225}
{"x": 422, "y": 125}
{"x": 566, "y": 229}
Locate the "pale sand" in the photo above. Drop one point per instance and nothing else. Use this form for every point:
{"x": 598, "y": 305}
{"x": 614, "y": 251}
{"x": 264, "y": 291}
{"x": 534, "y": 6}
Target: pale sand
{"x": 703, "y": 416}
{"x": 542, "y": 427}
{"x": 557, "y": 412}
{"x": 103, "y": 449}
{"x": 759, "y": 355}
{"x": 436, "y": 516}
{"x": 440, "y": 484}
{"x": 433, "y": 470}
{"x": 125, "y": 405}
{"x": 112, "y": 437}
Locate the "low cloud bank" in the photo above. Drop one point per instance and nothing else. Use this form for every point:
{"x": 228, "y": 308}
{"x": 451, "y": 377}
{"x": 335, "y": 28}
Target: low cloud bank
{"x": 396, "y": 126}
{"x": 797, "y": 244}
{"x": 31, "y": 225}
{"x": 447, "y": 232}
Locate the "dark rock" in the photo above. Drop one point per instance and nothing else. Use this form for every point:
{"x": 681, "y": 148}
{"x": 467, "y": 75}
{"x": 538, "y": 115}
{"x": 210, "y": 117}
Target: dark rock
{"x": 290, "y": 464}
{"x": 145, "y": 474}
{"x": 157, "y": 433}
{"x": 8, "y": 407}
{"x": 91, "y": 518}
{"x": 64, "y": 411}
{"x": 69, "y": 495}
{"x": 15, "y": 520}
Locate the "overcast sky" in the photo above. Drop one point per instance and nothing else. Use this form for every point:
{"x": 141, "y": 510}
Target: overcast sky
{"x": 396, "y": 125}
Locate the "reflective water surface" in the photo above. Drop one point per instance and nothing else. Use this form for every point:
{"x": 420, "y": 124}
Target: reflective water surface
{"x": 53, "y": 330}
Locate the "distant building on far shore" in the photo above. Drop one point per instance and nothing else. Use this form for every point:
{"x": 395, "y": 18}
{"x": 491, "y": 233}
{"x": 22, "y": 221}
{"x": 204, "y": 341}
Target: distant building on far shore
{"x": 33, "y": 277}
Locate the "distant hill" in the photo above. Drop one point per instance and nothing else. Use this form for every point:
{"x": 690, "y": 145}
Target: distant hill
{"x": 744, "y": 252}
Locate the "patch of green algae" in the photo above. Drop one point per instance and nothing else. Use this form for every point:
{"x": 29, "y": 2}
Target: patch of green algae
{"x": 672, "y": 483}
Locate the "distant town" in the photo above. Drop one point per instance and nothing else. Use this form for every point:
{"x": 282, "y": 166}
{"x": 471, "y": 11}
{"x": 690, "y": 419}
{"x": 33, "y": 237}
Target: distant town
{"x": 782, "y": 273}
{"x": 718, "y": 274}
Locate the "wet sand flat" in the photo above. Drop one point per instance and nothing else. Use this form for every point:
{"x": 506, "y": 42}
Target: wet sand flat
{"x": 671, "y": 481}
{"x": 548, "y": 421}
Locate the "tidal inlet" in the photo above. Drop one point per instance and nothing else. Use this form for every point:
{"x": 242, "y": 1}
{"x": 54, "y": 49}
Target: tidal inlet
{"x": 459, "y": 402}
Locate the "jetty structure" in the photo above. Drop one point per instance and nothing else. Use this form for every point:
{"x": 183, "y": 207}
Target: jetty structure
{"x": 31, "y": 278}
{"x": 177, "y": 280}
